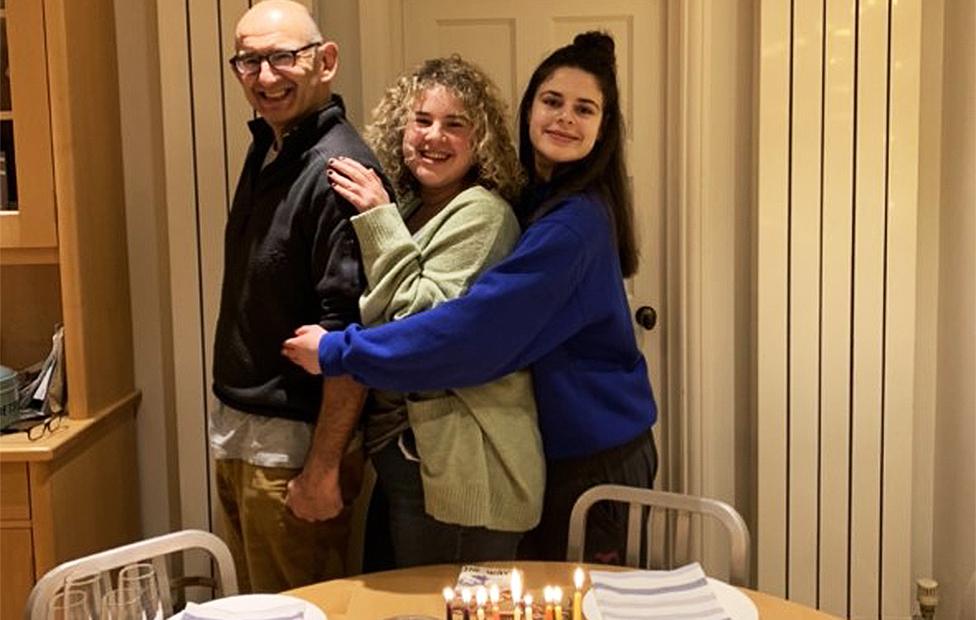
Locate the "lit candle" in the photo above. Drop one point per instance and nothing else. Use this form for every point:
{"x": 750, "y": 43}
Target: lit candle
{"x": 557, "y": 598}
{"x": 466, "y": 599}
{"x": 527, "y": 602}
{"x": 547, "y": 597}
{"x": 448, "y": 603}
{"x": 516, "y": 587}
{"x": 494, "y": 595}
{"x": 578, "y": 594}
{"x": 481, "y": 597}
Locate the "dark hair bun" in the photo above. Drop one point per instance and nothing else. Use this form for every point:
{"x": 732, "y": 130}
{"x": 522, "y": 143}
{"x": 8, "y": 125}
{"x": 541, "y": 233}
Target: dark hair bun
{"x": 594, "y": 41}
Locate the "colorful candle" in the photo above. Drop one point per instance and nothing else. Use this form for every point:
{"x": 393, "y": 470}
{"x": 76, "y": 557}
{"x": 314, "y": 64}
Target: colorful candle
{"x": 527, "y": 602}
{"x": 494, "y": 595}
{"x": 557, "y": 599}
{"x": 516, "y": 587}
{"x": 547, "y": 597}
{"x": 578, "y": 594}
{"x": 448, "y": 603}
{"x": 466, "y": 600}
{"x": 481, "y": 597}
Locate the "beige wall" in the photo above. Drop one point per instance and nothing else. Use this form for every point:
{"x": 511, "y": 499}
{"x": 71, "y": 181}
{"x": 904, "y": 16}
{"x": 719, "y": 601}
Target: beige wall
{"x": 340, "y": 22}
{"x": 944, "y": 503}
{"x": 954, "y": 495}
{"x": 142, "y": 145}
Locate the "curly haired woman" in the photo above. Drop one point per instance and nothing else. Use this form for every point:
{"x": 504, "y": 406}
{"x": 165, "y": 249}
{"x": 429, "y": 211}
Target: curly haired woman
{"x": 462, "y": 469}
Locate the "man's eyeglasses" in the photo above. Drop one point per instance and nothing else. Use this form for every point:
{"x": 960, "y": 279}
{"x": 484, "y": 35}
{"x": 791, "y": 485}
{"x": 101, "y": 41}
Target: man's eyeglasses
{"x": 40, "y": 429}
{"x": 249, "y": 64}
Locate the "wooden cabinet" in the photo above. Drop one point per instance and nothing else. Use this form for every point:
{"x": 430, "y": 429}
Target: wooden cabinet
{"x": 69, "y": 494}
{"x": 28, "y": 227}
{"x": 63, "y": 259}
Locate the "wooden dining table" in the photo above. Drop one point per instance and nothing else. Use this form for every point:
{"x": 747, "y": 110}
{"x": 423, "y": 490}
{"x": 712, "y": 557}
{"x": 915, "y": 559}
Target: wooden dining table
{"x": 417, "y": 591}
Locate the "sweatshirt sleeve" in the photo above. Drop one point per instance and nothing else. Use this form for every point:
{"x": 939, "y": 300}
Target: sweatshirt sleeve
{"x": 516, "y": 312}
{"x": 405, "y": 277}
{"x": 334, "y": 258}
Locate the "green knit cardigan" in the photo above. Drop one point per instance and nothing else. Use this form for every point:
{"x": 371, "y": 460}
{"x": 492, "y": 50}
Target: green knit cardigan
{"x": 480, "y": 450}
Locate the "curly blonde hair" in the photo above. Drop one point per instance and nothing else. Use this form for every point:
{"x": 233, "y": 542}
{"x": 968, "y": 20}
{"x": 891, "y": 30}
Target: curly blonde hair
{"x": 496, "y": 165}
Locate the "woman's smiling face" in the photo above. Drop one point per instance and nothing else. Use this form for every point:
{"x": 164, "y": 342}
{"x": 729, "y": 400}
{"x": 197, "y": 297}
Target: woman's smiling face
{"x": 564, "y": 123}
{"x": 437, "y": 140}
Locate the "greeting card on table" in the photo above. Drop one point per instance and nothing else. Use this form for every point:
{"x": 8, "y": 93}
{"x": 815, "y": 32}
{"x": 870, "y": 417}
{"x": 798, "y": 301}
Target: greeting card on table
{"x": 472, "y": 576}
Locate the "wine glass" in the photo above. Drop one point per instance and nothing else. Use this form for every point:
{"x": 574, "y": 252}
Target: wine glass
{"x": 142, "y": 578}
{"x": 68, "y": 605}
{"x": 122, "y": 604}
{"x": 91, "y": 587}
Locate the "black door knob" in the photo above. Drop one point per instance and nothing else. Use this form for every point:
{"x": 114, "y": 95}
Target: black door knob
{"x": 646, "y": 317}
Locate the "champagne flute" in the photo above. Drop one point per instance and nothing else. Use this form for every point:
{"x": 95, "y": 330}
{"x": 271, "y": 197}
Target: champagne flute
{"x": 91, "y": 587}
{"x": 122, "y": 604}
{"x": 142, "y": 578}
{"x": 68, "y": 605}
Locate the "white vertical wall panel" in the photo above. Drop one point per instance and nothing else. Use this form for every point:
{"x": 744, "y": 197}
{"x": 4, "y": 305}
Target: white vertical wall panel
{"x": 210, "y": 149}
{"x": 772, "y": 296}
{"x": 184, "y": 258}
{"x": 835, "y": 342}
{"x": 237, "y": 111}
{"x": 839, "y": 537}
{"x": 902, "y": 227}
{"x": 724, "y": 244}
{"x": 868, "y": 306}
{"x": 804, "y": 302}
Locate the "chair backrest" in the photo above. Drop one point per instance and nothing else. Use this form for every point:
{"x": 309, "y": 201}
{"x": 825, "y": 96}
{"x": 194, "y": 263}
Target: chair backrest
{"x": 160, "y": 550}
{"x": 665, "y": 531}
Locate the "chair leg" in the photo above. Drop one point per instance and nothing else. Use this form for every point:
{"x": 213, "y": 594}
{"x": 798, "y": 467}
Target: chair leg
{"x": 634, "y": 518}
{"x": 682, "y": 533}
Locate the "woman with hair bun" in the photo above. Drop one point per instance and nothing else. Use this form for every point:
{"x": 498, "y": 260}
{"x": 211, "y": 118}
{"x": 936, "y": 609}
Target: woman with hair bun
{"x": 556, "y": 304}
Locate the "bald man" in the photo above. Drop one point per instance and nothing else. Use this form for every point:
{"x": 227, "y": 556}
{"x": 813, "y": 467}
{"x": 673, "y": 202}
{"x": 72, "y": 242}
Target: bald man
{"x": 285, "y": 475}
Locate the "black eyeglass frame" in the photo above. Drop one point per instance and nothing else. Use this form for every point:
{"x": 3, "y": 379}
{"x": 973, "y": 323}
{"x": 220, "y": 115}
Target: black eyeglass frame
{"x": 49, "y": 425}
{"x": 291, "y": 55}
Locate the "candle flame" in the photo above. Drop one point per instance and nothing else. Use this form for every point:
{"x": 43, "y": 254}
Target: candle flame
{"x": 481, "y": 596}
{"x": 516, "y": 585}
{"x": 528, "y": 601}
{"x": 557, "y": 595}
{"x": 465, "y": 595}
{"x": 547, "y": 594}
{"x": 448, "y": 595}
{"x": 494, "y": 593}
{"x": 578, "y": 577}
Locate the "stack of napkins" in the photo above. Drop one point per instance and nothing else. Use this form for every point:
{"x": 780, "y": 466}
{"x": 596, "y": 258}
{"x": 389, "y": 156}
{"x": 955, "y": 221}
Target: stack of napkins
{"x": 680, "y": 593}
{"x": 212, "y": 611}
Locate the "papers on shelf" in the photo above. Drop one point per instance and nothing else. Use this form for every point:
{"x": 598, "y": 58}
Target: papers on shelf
{"x": 680, "y": 593}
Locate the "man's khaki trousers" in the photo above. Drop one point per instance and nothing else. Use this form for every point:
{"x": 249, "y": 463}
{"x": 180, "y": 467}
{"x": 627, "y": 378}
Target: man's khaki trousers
{"x": 273, "y": 549}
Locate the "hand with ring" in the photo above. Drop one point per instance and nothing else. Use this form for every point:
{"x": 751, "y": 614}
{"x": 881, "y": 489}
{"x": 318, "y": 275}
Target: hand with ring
{"x": 360, "y": 185}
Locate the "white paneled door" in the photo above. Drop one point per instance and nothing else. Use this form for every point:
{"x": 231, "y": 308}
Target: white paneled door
{"x": 508, "y": 39}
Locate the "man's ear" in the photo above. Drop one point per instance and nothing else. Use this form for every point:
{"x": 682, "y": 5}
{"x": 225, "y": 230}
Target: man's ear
{"x": 330, "y": 61}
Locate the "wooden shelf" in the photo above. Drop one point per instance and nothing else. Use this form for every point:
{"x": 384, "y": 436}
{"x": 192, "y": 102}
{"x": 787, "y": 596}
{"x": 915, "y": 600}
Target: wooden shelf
{"x": 16, "y": 447}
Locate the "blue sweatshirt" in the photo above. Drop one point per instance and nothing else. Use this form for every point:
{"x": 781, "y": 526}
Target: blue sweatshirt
{"x": 557, "y": 303}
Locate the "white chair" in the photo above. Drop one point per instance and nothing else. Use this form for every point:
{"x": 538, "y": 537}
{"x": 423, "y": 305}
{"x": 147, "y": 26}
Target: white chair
{"x": 160, "y": 551}
{"x": 665, "y": 533}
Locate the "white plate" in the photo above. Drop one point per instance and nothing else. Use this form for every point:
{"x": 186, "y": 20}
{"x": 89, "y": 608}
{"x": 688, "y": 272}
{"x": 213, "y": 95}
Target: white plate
{"x": 252, "y": 602}
{"x": 739, "y": 606}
